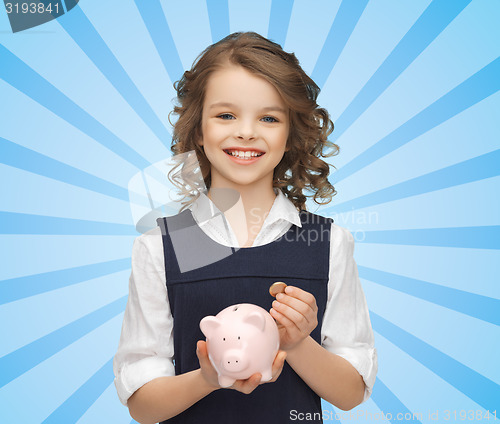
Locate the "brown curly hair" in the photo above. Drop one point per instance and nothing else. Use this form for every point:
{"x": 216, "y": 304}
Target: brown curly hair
{"x": 301, "y": 167}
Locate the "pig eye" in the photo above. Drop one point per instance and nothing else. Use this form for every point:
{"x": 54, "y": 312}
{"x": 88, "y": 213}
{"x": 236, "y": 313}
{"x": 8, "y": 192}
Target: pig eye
{"x": 224, "y": 338}
{"x": 238, "y": 337}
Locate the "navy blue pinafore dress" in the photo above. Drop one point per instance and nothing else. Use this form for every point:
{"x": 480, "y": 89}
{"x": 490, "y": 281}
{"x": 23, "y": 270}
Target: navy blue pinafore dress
{"x": 203, "y": 277}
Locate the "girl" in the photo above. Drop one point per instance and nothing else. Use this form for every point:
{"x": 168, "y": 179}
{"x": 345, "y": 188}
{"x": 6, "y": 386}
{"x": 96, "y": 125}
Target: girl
{"x": 249, "y": 112}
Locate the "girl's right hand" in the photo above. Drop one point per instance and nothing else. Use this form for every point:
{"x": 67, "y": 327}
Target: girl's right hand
{"x": 244, "y": 386}
{"x": 207, "y": 370}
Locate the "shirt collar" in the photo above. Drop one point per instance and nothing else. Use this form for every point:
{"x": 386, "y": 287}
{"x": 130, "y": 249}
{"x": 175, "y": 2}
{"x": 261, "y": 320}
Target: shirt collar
{"x": 283, "y": 208}
{"x": 204, "y": 210}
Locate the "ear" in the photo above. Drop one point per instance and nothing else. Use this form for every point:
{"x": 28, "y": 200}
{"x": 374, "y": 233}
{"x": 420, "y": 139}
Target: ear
{"x": 208, "y": 325}
{"x": 256, "y": 319}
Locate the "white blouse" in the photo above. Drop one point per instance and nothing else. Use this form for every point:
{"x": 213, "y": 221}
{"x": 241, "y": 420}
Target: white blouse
{"x": 146, "y": 346}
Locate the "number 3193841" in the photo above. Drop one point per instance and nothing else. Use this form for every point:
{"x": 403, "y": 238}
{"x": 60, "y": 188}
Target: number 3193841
{"x": 32, "y": 7}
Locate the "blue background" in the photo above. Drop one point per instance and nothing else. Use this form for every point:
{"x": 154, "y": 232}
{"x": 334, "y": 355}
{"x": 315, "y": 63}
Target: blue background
{"x": 412, "y": 87}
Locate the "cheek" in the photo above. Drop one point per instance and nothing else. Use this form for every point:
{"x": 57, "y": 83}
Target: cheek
{"x": 215, "y": 133}
{"x": 280, "y": 139}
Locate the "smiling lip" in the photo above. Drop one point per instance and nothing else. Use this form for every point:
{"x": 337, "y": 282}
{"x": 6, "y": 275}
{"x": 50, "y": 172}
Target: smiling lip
{"x": 244, "y": 161}
{"x": 245, "y": 149}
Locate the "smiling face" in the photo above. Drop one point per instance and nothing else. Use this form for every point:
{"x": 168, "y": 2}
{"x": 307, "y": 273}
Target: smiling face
{"x": 242, "y": 113}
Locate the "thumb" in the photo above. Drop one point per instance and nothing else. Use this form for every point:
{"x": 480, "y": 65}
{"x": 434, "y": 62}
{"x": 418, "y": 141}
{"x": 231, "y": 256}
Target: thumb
{"x": 201, "y": 345}
{"x": 201, "y": 350}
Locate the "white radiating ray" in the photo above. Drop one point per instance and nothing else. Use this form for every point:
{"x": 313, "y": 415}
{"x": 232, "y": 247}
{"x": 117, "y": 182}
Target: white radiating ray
{"x": 463, "y": 48}
{"x": 156, "y": 191}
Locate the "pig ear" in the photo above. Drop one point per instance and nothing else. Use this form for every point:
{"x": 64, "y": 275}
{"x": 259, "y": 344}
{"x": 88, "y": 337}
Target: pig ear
{"x": 255, "y": 318}
{"x": 208, "y": 325}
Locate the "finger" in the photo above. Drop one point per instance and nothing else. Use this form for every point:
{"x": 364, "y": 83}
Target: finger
{"x": 198, "y": 348}
{"x": 202, "y": 353}
{"x": 278, "y": 364}
{"x": 201, "y": 348}
{"x": 290, "y": 326}
{"x": 308, "y": 318}
{"x": 299, "y": 305}
{"x": 279, "y": 360}
{"x": 247, "y": 386}
{"x": 303, "y": 324}
{"x": 303, "y": 295}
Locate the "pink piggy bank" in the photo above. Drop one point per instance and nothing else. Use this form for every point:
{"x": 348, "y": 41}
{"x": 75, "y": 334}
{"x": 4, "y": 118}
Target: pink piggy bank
{"x": 241, "y": 340}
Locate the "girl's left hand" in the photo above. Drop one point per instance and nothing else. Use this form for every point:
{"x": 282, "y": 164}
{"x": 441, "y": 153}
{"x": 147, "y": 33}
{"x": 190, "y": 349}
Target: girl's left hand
{"x": 296, "y": 314}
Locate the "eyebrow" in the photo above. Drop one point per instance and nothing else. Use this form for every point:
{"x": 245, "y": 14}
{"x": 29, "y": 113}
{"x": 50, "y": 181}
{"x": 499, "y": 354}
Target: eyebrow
{"x": 265, "y": 109}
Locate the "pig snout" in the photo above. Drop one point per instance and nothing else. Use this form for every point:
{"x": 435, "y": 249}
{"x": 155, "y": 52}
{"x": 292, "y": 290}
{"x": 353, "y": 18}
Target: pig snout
{"x": 234, "y": 360}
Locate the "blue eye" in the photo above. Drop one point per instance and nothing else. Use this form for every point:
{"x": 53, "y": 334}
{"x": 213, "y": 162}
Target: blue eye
{"x": 270, "y": 117}
{"x": 225, "y": 114}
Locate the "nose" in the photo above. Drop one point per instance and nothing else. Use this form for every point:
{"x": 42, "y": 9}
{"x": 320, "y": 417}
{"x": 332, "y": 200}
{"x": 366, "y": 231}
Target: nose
{"x": 234, "y": 360}
{"x": 245, "y": 130}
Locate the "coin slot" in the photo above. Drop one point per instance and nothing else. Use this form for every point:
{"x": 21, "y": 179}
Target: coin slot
{"x": 235, "y": 308}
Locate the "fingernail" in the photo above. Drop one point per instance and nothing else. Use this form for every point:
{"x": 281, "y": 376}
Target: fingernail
{"x": 280, "y": 296}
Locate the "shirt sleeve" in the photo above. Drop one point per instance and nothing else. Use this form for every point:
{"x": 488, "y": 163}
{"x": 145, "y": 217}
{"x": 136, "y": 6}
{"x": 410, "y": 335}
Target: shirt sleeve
{"x": 145, "y": 349}
{"x": 346, "y": 328}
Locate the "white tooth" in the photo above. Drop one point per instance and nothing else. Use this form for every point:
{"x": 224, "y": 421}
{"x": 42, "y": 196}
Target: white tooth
{"x": 244, "y": 155}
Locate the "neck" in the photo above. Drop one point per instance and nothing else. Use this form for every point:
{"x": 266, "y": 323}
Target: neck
{"x": 257, "y": 195}
{"x": 249, "y": 207}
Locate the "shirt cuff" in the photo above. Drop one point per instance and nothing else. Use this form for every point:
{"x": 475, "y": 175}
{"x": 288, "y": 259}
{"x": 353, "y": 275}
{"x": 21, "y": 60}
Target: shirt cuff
{"x": 365, "y": 361}
{"x": 136, "y": 374}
